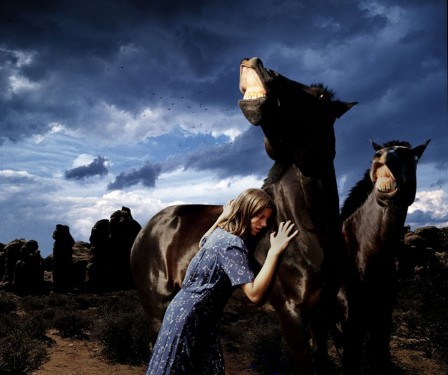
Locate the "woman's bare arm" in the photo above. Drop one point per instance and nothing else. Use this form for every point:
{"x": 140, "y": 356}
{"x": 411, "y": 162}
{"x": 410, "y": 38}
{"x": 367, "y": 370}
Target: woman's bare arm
{"x": 256, "y": 290}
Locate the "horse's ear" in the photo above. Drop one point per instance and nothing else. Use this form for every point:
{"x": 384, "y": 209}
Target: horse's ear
{"x": 340, "y": 108}
{"x": 376, "y": 146}
{"x": 418, "y": 150}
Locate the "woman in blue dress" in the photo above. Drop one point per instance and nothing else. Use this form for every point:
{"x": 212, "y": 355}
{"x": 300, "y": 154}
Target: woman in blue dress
{"x": 188, "y": 340}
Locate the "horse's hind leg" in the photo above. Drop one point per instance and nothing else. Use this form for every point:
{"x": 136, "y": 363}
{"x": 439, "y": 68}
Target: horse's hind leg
{"x": 155, "y": 311}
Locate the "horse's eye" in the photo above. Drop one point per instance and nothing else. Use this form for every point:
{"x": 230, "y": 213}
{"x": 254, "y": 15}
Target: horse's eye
{"x": 321, "y": 96}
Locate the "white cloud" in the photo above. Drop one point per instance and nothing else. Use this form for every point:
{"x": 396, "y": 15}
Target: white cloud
{"x": 81, "y": 213}
{"x": 112, "y": 125}
{"x": 434, "y": 201}
{"x": 57, "y": 128}
{"x": 19, "y": 83}
{"x": 8, "y": 173}
{"x": 118, "y": 126}
{"x": 83, "y": 159}
{"x": 201, "y": 187}
{"x": 212, "y": 121}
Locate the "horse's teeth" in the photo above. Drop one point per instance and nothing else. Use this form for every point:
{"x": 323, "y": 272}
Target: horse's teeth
{"x": 254, "y": 93}
{"x": 386, "y": 184}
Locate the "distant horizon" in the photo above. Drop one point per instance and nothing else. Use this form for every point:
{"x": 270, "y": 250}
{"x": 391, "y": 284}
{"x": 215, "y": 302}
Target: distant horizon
{"x": 50, "y": 251}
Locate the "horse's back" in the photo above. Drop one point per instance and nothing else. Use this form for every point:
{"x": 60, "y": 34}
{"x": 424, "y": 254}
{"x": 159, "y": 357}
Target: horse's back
{"x": 163, "y": 249}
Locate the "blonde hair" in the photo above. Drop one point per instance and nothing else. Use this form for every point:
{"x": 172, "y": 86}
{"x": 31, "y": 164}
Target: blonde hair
{"x": 250, "y": 203}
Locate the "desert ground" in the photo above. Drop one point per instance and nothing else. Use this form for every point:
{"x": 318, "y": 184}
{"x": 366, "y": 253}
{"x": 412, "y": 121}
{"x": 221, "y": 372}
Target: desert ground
{"x": 253, "y": 344}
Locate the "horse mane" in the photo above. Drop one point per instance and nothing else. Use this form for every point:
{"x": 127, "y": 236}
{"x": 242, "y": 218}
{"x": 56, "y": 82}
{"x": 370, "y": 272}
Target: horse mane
{"x": 360, "y": 192}
{"x": 397, "y": 143}
{"x": 330, "y": 93}
{"x": 275, "y": 173}
{"x": 357, "y": 196}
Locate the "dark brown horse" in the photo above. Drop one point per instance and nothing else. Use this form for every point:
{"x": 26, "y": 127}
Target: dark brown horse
{"x": 373, "y": 217}
{"x": 297, "y": 121}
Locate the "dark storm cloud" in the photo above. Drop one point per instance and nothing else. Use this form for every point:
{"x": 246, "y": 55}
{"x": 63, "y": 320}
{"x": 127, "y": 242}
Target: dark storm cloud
{"x": 122, "y": 52}
{"x": 60, "y": 59}
{"x": 146, "y": 175}
{"x": 242, "y": 157}
{"x": 95, "y": 168}
{"x": 245, "y": 156}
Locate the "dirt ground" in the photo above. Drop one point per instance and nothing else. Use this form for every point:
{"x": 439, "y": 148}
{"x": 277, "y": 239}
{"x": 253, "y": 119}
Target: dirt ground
{"x": 80, "y": 357}
{"x": 252, "y": 345}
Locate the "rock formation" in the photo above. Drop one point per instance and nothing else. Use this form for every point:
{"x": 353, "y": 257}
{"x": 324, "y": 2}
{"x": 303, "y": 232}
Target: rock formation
{"x": 62, "y": 258}
{"x": 21, "y": 269}
{"x": 418, "y": 249}
{"x": 111, "y": 242}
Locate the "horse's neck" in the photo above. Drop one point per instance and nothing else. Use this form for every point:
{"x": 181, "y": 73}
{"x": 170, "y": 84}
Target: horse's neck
{"x": 312, "y": 204}
{"x": 377, "y": 224}
{"x": 309, "y": 201}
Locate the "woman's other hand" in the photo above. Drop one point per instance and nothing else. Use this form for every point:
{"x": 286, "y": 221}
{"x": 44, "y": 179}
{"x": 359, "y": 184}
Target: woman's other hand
{"x": 226, "y": 209}
{"x": 280, "y": 240}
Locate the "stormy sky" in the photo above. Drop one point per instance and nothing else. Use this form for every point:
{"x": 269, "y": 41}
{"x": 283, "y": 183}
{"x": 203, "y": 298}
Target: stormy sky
{"x": 134, "y": 103}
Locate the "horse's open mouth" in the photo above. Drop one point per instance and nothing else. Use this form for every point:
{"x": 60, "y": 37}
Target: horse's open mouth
{"x": 250, "y": 84}
{"x": 383, "y": 179}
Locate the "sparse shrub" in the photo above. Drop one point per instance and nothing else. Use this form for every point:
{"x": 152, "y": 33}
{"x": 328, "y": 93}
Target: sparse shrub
{"x": 71, "y": 324}
{"x": 34, "y": 326}
{"x": 444, "y": 239}
{"x": 19, "y": 353}
{"x": 86, "y": 301}
{"x": 7, "y": 322}
{"x": 122, "y": 301}
{"x": 59, "y": 300}
{"x": 123, "y": 332}
{"x": 7, "y": 303}
{"x": 33, "y": 303}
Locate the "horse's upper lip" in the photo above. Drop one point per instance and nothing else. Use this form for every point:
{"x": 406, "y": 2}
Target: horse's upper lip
{"x": 251, "y": 86}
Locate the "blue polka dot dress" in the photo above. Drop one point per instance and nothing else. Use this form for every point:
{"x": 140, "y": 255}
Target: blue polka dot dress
{"x": 188, "y": 340}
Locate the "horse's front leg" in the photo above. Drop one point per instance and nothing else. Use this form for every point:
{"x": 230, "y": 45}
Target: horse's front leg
{"x": 353, "y": 340}
{"x": 318, "y": 315}
{"x": 378, "y": 343}
{"x": 297, "y": 334}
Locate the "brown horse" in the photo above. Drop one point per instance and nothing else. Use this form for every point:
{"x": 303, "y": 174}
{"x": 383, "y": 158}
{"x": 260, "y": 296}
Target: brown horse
{"x": 373, "y": 217}
{"x": 297, "y": 121}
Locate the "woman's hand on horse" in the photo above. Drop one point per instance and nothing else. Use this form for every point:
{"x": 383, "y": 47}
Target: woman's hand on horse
{"x": 226, "y": 209}
{"x": 280, "y": 240}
